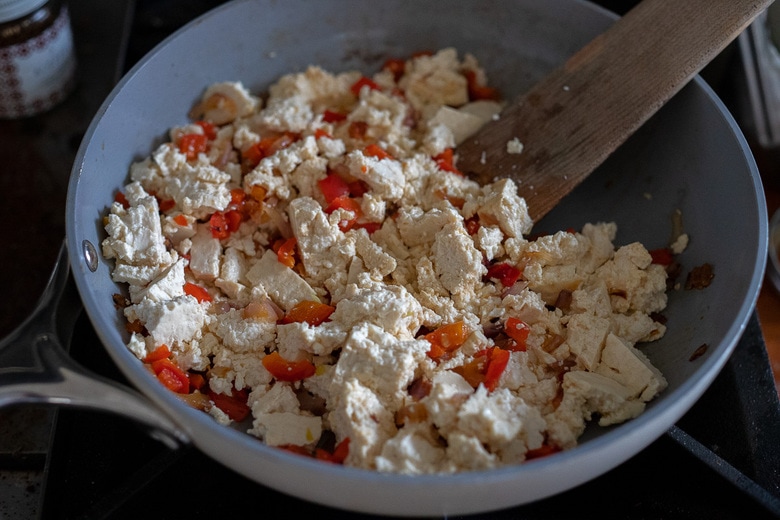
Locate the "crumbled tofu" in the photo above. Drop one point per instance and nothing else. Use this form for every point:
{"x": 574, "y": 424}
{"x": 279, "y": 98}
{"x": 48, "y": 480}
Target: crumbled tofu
{"x": 320, "y": 258}
{"x": 463, "y": 122}
{"x": 515, "y": 146}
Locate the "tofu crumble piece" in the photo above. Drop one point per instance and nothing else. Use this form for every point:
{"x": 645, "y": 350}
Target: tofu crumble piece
{"x": 310, "y": 266}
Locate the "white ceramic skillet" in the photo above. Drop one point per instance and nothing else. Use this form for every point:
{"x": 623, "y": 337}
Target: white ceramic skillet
{"x": 690, "y": 157}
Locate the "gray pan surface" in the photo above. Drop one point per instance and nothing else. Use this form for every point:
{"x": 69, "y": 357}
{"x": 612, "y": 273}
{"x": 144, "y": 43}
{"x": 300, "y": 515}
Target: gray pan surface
{"x": 690, "y": 157}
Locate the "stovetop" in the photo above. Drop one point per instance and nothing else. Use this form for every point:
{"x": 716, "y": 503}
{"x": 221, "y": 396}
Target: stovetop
{"x": 720, "y": 461}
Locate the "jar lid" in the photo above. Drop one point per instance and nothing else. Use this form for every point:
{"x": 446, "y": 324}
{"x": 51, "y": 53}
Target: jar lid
{"x": 13, "y": 9}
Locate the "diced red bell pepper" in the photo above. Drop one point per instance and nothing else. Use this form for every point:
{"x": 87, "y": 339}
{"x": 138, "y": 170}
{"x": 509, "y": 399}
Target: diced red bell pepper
{"x": 396, "y": 66}
{"x": 474, "y": 371}
{"x": 486, "y": 367}
{"x": 223, "y": 223}
{"x": 374, "y": 150}
{"x": 544, "y": 450}
{"x": 197, "y": 292}
{"x": 349, "y": 204}
{"x": 358, "y": 188}
{"x": 285, "y": 251}
{"x": 339, "y": 454}
{"x": 268, "y": 146}
{"x": 477, "y": 91}
{"x": 518, "y": 331}
{"x": 505, "y": 273}
{"x": 120, "y": 198}
{"x": 209, "y": 130}
{"x": 472, "y": 225}
{"x": 197, "y": 381}
{"x": 234, "y": 404}
{"x": 446, "y": 339}
{"x": 311, "y": 312}
{"x": 357, "y": 129}
{"x": 333, "y": 186}
{"x": 284, "y": 370}
{"x": 170, "y": 375}
{"x": 258, "y": 192}
{"x": 497, "y": 360}
{"x": 330, "y": 116}
{"x": 181, "y": 220}
{"x": 446, "y": 161}
{"x": 161, "y": 352}
{"x": 363, "y": 82}
{"x": 165, "y": 204}
{"x": 662, "y": 256}
{"x": 193, "y": 144}
{"x": 237, "y": 197}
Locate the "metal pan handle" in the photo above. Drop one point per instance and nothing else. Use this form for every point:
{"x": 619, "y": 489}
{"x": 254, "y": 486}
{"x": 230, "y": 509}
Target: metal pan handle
{"x": 36, "y": 369}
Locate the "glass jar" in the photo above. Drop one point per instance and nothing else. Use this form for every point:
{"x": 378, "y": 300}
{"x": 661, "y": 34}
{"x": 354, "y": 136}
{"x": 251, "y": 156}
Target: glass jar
{"x": 37, "y": 57}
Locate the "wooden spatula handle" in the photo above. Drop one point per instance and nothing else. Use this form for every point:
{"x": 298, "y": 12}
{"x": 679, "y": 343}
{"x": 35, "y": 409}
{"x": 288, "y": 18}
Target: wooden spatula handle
{"x": 579, "y": 114}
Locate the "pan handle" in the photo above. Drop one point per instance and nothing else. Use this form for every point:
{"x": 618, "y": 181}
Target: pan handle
{"x": 36, "y": 369}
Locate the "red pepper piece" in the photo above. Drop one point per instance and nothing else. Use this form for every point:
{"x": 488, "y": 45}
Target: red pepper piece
{"x": 332, "y": 187}
{"x": 518, "y": 330}
{"x": 284, "y": 370}
{"x": 477, "y": 91}
{"x": 446, "y": 161}
{"x": 165, "y": 204}
{"x": 193, "y": 144}
{"x": 268, "y": 146}
{"x": 161, "y": 352}
{"x": 170, "y": 375}
{"x": 663, "y": 256}
{"x": 374, "y": 150}
{"x": 396, "y": 66}
{"x": 197, "y": 381}
{"x": 330, "y": 116}
{"x": 543, "y": 451}
{"x": 472, "y": 225}
{"x": 234, "y": 404}
{"x": 197, "y": 292}
{"x": 209, "y": 130}
{"x": 485, "y": 368}
{"x": 497, "y": 360}
{"x": 223, "y": 223}
{"x": 120, "y": 198}
{"x": 505, "y": 273}
{"x": 340, "y": 453}
{"x": 349, "y": 204}
{"x": 363, "y": 82}
{"x": 358, "y": 188}
{"x": 446, "y": 339}
{"x": 320, "y": 133}
{"x": 311, "y": 312}
{"x": 285, "y": 251}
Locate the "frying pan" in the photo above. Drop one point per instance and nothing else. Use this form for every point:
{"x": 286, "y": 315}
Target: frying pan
{"x": 689, "y": 160}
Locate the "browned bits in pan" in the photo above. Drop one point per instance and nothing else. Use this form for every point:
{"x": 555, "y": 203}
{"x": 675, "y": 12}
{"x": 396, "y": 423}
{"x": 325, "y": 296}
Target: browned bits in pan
{"x": 699, "y": 352}
{"x": 700, "y": 277}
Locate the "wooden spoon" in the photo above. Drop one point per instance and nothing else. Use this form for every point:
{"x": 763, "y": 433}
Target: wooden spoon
{"x": 574, "y": 118}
